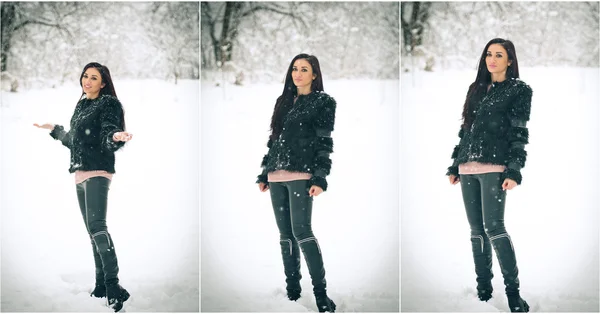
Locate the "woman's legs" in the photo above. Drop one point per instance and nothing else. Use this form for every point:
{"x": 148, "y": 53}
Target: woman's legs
{"x": 100, "y": 289}
{"x": 94, "y": 205}
{"x": 299, "y": 211}
{"x": 96, "y": 198}
{"x": 290, "y": 251}
{"x": 493, "y": 199}
{"x": 480, "y": 243}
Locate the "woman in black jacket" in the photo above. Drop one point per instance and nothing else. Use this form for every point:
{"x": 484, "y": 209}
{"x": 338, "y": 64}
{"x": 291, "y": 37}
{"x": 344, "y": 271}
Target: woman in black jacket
{"x": 97, "y": 130}
{"x": 488, "y": 160}
{"x": 295, "y": 168}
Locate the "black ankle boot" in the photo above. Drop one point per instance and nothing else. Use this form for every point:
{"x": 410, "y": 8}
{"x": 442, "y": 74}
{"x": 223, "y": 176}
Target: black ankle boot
{"x": 116, "y": 296}
{"x": 99, "y": 291}
{"x": 517, "y": 304}
{"x": 482, "y": 256}
{"x": 314, "y": 261}
{"x": 325, "y": 304}
{"x": 293, "y": 294}
{"x": 290, "y": 252}
{"x": 484, "y": 291}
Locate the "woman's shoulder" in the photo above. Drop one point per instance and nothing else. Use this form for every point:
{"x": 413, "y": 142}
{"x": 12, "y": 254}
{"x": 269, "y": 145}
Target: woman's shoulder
{"x": 110, "y": 98}
{"x": 520, "y": 86}
{"x": 110, "y": 101}
{"x": 521, "y": 106}
{"x": 324, "y": 99}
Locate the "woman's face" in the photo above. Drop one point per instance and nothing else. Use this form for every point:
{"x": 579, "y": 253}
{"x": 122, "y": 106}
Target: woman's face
{"x": 497, "y": 59}
{"x": 92, "y": 82}
{"x": 302, "y": 73}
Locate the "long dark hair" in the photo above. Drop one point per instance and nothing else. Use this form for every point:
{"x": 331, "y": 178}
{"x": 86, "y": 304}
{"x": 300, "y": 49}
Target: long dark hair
{"x": 109, "y": 87}
{"x": 285, "y": 102}
{"x": 479, "y": 88}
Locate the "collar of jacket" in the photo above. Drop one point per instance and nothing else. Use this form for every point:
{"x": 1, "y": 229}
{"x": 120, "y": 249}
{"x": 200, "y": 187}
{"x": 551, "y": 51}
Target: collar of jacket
{"x": 305, "y": 97}
{"x": 305, "y": 104}
{"x": 497, "y": 84}
{"x": 497, "y": 90}
{"x": 312, "y": 98}
{"x": 100, "y": 97}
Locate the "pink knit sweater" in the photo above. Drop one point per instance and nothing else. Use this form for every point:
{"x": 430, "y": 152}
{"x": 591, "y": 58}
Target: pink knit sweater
{"x": 81, "y": 176}
{"x": 474, "y": 167}
{"x": 284, "y": 175}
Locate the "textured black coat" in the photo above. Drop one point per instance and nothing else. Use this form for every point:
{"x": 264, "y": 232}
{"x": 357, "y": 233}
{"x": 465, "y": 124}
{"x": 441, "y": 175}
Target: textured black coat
{"x": 498, "y": 134}
{"x": 90, "y": 136}
{"x": 305, "y": 142}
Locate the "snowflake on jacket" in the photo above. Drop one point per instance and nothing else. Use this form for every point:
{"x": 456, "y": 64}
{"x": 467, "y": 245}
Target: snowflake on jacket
{"x": 305, "y": 143}
{"x": 90, "y": 140}
{"x": 498, "y": 134}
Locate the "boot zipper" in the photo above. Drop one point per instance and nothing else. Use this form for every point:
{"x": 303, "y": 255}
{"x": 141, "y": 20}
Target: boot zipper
{"x": 290, "y": 242}
{"x": 104, "y": 233}
{"x": 480, "y": 239}
{"x": 503, "y": 235}
{"x": 311, "y": 239}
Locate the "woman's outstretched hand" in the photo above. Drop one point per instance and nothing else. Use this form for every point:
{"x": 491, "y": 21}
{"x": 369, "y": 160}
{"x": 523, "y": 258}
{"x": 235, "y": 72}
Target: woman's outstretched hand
{"x": 263, "y": 187}
{"x": 122, "y": 136}
{"x": 508, "y": 184}
{"x": 315, "y": 190}
{"x": 453, "y": 179}
{"x": 47, "y": 126}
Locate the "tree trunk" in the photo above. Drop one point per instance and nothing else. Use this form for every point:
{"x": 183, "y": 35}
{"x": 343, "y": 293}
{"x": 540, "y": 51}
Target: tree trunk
{"x": 211, "y": 21}
{"x": 229, "y": 21}
{"x": 412, "y": 30}
{"x": 7, "y": 19}
{"x": 229, "y": 30}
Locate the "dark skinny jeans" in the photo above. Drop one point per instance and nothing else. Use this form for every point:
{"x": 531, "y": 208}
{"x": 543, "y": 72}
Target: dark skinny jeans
{"x": 93, "y": 196}
{"x": 484, "y": 201}
{"x": 293, "y": 210}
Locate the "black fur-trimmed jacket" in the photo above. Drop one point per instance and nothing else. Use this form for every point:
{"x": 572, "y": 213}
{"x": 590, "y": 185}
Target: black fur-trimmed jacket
{"x": 305, "y": 142}
{"x": 90, "y": 136}
{"x": 498, "y": 134}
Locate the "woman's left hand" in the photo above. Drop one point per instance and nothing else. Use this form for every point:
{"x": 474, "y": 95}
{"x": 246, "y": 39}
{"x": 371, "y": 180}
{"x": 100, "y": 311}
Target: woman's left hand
{"x": 315, "y": 190}
{"x": 508, "y": 184}
{"x": 122, "y": 136}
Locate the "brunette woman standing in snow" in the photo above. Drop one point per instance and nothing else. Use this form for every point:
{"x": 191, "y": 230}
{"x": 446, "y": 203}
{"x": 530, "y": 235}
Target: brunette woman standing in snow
{"x": 295, "y": 168}
{"x": 97, "y": 130}
{"x": 488, "y": 160}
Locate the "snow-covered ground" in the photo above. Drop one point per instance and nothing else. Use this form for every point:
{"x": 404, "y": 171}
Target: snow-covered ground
{"x": 47, "y": 260}
{"x": 356, "y": 220}
{"x": 552, "y": 217}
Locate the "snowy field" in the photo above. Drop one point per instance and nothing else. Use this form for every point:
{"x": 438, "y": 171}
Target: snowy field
{"x": 47, "y": 260}
{"x": 552, "y": 217}
{"x": 356, "y": 220}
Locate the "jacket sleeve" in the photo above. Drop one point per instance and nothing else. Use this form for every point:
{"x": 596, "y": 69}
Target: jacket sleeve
{"x": 324, "y": 124}
{"x": 59, "y": 133}
{"x": 518, "y": 134}
{"x": 262, "y": 177}
{"x": 453, "y": 170}
{"x": 110, "y": 123}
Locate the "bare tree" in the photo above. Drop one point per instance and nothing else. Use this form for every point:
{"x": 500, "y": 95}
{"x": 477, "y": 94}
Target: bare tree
{"x": 174, "y": 30}
{"x": 19, "y": 16}
{"x": 414, "y": 21}
{"x": 544, "y": 33}
{"x": 228, "y": 16}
